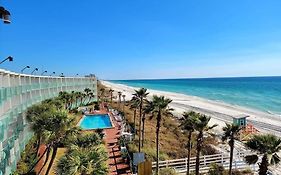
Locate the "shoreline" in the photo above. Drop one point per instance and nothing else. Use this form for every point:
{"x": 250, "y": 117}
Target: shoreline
{"x": 219, "y": 101}
{"x": 219, "y": 111}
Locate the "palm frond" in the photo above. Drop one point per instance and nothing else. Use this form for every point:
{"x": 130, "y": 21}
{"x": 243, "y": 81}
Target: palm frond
{"x": 251, "y": 159}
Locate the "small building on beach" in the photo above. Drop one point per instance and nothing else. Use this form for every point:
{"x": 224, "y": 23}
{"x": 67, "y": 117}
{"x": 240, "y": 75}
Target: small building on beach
{"x": 240, "y": 120}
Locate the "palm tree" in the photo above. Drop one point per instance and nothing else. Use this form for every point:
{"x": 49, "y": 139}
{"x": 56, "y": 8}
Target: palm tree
{"x": 119, "y": 99}
{"x": 160, "y": 109}
{"x": 101, "y": 93}
{"x": 38, "y": 116}
{"x": 87, "y": 141}
{"x": 147, "y": 109}
{"x": 134, "y": 106}
{"x": 83, "y": 98}
{"x": 231, "y": 132}
{"x": 111, "y": 95}
{"x": 88, "y": 92}
{"x": 56, "y": 102}
{"x": 90, "y": 95}
{"x": 72, "y": 99}
{"x": 61, "y": 126}
{"x": 201, "y": 126}
{"x": 84, "y": 161}
{"x": 124, "y": 101}
{"x": 269, "y": 146}
{"x": 187, "y": 123}
{"x": 65, "y": 97}
{"x": 139, "y": 98}
{"x": 35, "y": 116}
{"x": 78, "y": 96}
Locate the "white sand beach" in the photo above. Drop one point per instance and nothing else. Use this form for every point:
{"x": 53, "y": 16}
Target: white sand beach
{"x": 220, "y": 112}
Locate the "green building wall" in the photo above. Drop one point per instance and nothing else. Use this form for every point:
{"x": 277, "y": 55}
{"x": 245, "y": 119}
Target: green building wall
{"x": 17, "y": 93}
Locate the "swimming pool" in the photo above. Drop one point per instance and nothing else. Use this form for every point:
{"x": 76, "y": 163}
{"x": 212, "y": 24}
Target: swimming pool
{"x": 98, "y": 121}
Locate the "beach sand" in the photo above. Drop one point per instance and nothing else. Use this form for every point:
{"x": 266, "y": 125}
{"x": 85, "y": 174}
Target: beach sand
{"x": 219, "y": 111}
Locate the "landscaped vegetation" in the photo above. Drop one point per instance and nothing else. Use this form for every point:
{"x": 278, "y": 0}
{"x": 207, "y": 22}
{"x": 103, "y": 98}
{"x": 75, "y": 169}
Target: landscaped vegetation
{"x": 162, "y": 137}
{"x": 159, "y": 135}
{"x": 54, "y": 122}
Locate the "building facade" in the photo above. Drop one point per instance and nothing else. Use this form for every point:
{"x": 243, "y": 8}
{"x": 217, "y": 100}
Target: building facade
{"x": 17, "y": 93}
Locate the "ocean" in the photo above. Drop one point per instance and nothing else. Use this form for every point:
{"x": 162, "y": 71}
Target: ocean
{"x": 259, "y": 93}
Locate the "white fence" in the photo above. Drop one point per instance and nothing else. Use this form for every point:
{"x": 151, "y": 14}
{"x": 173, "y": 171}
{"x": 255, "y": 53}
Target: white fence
{"x": 180, "y": 165}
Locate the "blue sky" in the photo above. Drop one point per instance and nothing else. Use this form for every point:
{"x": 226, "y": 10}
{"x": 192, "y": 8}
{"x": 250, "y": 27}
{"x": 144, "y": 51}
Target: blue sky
{"x": 129, "y": 39}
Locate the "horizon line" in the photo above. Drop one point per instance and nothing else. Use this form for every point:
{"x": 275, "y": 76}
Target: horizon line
{"x": 265, "y": 76}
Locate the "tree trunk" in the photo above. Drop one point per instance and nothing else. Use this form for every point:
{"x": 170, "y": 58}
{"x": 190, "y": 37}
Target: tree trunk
{"x": 231, "y": 144}
{"x": 111, "y": 98}
{"x": 81, "y": 102}
{"x": 263, "y": 167}
{"x": 38, "y": 144}
{"x": 119, "y": 103}
{"x": 124, "y": 107}
{"x": 76, "y": 103}
{"x": 46, "y": 159}
{"x": 37, "y": 161}
{"x": 188, "y": 152}
{"x": 89, "y": 101}
{"x": 142, "y": 140}
{"x": 157, "y": 141}
{"x": 198, "y": 149}
{"x": 55, "y": 149}
{"x": 135, "y": 113}
{"x": 140, "y": 126}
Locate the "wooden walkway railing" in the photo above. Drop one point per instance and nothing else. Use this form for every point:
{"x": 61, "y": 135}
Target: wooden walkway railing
{"x": 180, "y": 165}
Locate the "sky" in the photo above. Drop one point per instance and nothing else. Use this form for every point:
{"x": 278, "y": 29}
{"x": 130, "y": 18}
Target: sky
{"x": 144, "y": 39}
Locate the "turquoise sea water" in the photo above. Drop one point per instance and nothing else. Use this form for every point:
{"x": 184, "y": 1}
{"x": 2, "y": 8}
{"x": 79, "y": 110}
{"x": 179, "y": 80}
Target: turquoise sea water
{"x": 261, "y": 93}
{"x": 95, "y": 122}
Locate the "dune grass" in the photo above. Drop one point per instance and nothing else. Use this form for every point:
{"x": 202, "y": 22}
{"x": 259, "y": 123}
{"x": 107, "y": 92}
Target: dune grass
{"x": 173, "y": 140}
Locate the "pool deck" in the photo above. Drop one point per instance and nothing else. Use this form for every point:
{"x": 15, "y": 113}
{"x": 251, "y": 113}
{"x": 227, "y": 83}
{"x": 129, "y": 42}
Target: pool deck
{"x": 117, "y": 166}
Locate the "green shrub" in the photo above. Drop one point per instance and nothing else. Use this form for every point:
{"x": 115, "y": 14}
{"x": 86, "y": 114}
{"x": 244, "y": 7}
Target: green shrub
{"x": 75, "y": 111}
{"x": 97, "y": 106}
{"x": 216, "y": 169}
{"x": 247, "y": 171}
{"x": 100, "y": 133}
{"x": 150, "y": 153}
{"x": 209, "y": 150}
{"x": 167, "y": 171}
{"x": 28, "y": 157}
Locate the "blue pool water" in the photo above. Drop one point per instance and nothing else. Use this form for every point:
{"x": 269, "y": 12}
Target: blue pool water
{"x": 99, "y": 121}
{"x": 261, "y": 93}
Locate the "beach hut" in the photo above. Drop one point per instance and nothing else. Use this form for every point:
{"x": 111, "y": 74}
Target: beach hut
{"x": 240, "y": 120}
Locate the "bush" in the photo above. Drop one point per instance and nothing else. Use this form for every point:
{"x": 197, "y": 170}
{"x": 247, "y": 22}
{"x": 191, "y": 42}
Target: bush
{"x": 100, "y": 133}
{"x": 247, "y": 171}
{"x": 150, "y": 152}
{"x": 74, "y": 111}
{"x": 236, "y": 172}
{"x": 97, "y": 106}
{"x": 28, "y": 158}
{"x": 167, "y": 171}
{"x": 88, "y": 140}
{"x": 216, "y": 169}
{"x": 209, "y": 150}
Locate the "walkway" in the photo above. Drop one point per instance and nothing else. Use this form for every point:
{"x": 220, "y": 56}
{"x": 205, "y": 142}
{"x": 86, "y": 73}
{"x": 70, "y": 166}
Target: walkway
{"x": 117, "y": 166}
